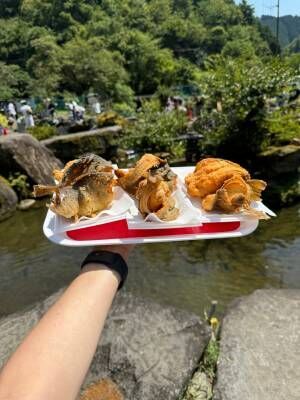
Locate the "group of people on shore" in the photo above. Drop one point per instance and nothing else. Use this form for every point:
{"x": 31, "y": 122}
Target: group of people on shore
{"x": 191, "y": 109}
{"x": 20, "y": 115}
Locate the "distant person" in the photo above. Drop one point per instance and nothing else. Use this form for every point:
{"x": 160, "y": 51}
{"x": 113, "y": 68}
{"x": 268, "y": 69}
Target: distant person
{"x": 189, "y": 112}
{"x": 3, "y": 130}
{"x": 199, "y": 104}
{"x": 139, "y": 104}
{"x": 96, "y": 107}
{"x": 27, "y": 114}
{"x": 77, "y": 111}
{"x": 179, "y": 106}
{"x": 12, "y": 110}
{"x": 51, "y": 109}
{"x": 170, "y": 104}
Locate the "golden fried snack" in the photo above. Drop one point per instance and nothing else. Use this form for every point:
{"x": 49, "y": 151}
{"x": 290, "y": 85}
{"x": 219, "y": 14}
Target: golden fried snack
{"x": 225, "y": 186}
{"x": 130, "y": 180}
{"x": 155, "y": 197}
{"x": 84, "y": 188}
{"x": 152, "y": 182}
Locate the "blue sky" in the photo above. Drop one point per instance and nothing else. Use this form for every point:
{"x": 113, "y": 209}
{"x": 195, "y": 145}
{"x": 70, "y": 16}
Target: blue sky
{"x": 267, "y": 7}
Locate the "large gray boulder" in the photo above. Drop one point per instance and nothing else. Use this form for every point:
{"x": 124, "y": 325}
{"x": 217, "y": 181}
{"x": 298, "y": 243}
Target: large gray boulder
{"x": 72, "y": 145}
{"x": 149, "y": 351}
{"x": 8, "y": 200}
{"x": 20, "y": 152}
{"x": 260, "y": 348}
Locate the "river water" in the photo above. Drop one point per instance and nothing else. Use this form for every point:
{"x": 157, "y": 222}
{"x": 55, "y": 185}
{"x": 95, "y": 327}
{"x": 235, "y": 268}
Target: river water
{"x": 188, "y": 275}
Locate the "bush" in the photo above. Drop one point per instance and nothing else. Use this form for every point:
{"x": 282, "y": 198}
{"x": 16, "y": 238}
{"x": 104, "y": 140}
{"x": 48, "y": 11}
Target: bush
{"x": 19, "y": 183}
{"x": 233, "y": 117}
{"x": 155, "y": 130}
{"x": 3, "y": 121}
{"x": 110, "y": 118}
{"x": 124, "y": 109}
{"x": 41, "y": 132}
{"x": 283, "y": 126}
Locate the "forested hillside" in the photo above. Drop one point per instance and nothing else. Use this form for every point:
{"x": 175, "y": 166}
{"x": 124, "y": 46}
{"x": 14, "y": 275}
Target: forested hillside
{"x": 289, "y": 28}
{"x": 119, "y": 47}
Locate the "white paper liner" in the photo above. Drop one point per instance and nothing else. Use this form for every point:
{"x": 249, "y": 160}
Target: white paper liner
{"x": 121, "y": 204}
{"x": 215, "y": 216}
{"x": 187, "y": 215}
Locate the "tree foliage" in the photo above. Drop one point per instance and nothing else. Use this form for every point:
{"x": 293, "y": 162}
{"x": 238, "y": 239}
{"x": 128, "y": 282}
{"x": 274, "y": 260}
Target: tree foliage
{"x": 233, "y": 120}
{"x": 117, "y": 47}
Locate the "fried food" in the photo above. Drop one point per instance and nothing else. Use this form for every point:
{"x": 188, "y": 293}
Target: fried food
{"x": 84, "y": 187}
{"x": 152, "y": 182}
{"x": 154, "y": 196}
{"x": 222, "y": 185}
{"x": 130, "y": 180}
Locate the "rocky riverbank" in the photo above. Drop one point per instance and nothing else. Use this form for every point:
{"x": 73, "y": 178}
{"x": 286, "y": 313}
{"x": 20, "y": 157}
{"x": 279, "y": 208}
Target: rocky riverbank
{"x": 280, "y": 167}
{"x": 260, "y": 348}
{"x": 147, "y": 350}
{"x": 151, "y": 352}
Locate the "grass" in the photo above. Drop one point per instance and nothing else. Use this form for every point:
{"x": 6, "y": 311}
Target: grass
{"x": 200, "y": 386}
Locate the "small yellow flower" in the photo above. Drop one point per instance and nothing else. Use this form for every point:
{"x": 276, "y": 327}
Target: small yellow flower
{"x": 214, "y": 322}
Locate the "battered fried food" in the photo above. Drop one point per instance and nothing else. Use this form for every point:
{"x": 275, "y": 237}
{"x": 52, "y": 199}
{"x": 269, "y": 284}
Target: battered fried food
{"x": 225, "y": 186}
{"x": 152, "y": 182}
{"x": 84, "y": 188}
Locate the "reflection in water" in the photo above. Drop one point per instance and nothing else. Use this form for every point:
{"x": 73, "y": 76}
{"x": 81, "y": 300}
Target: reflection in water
{"x": 184, "y": 274}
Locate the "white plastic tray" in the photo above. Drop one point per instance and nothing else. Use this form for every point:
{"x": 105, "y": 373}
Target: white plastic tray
{"x": 129, "y": 227}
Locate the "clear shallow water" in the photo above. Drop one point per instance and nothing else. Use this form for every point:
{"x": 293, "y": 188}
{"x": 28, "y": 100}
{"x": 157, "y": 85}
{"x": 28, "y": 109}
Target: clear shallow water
{"x": 184, "y": 274}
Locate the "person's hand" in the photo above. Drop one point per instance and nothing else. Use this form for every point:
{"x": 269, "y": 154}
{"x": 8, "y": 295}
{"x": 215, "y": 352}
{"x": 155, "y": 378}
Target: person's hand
{"x": 122, "y": 249}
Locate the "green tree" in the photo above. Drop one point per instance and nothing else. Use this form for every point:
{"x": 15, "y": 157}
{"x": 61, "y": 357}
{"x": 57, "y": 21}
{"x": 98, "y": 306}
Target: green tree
{"x": 248, "y": 12}
{"x": 45, "y": 65}
{"x": 15, "y": 40}
{"x": 241, "y": 87}
{"x": 14, "y": 82}
{"x": 9, "y": 8}
{"x": 219, "y": 12}
{"x": 88, "y": 65}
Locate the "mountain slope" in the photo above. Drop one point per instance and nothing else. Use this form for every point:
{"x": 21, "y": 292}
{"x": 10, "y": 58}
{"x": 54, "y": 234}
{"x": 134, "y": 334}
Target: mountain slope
{"x": 289, "y": 27}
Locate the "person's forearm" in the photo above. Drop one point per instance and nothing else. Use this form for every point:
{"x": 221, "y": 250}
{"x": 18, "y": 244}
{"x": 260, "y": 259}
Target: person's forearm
{"x": 53, "y": 360}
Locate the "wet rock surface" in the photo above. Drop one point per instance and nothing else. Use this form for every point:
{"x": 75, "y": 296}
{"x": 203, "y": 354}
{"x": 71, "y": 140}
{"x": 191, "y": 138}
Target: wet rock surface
{"x": 8, "y": 200}
{"x": 20, "y": 152}
{"x": 147, "y": 350}
{"x": 72, "y": 145}
{"x": 279, "y": 166}
{"x": 281, "y": 159}
{"x": 260, "y": 348}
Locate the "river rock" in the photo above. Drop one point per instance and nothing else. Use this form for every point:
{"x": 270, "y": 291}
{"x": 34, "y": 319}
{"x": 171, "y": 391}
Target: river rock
{"x": 8, "y": 200}
{"x": 73, "y": 145}
{"x": 147, "y": 350}
{"x": 26, "y": 204}
{"x": 260, "y": 348}
{"x": 21, "y": 152}
{"x": 280, "y": 160}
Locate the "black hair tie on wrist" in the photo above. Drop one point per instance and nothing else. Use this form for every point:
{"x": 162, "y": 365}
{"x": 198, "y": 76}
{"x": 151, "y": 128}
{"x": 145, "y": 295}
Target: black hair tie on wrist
{"x": 109, "y": 259}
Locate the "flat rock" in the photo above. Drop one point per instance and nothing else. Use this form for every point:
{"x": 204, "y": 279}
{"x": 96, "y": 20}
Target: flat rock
{"x": 260, "y": 348}
{"x": 26, "y": 204}
{"x": 72, "y": 145}
{"x": 149, "y": 351}
{"x": 278, "y": 160}
{"x": 20, "y": 152}
{"x": 8, "y": 200}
